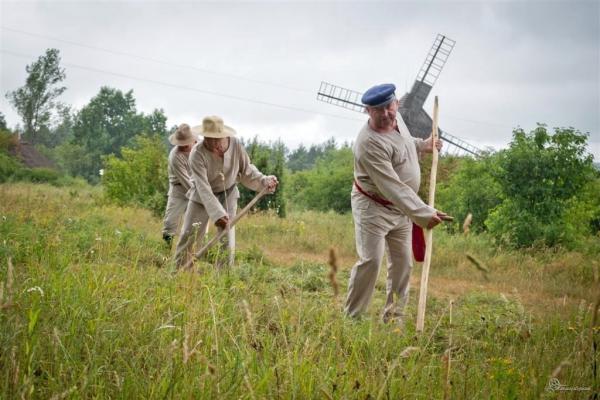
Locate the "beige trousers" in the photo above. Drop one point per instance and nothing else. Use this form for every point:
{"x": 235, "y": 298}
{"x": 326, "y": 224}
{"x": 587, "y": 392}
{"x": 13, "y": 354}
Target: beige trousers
{"x": 378, "y": 229}
{"x": 175, "y": 208}
{"x": 195, "y": 226}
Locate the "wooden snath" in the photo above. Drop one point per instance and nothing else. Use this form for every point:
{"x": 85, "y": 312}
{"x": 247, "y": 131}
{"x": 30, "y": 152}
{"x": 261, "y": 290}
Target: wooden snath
{"x": 223, "y": 232}
{"x": 428, "y": 232}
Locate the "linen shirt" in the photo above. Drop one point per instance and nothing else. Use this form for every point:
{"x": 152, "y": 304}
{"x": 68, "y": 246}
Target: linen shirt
{"x": 212, "y": 174}
{"x": 179, "y": 173}
{"x": 387, "y": 164}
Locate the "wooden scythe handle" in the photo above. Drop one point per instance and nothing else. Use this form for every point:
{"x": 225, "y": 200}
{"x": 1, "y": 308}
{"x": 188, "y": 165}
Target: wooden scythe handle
{"x": 223, "y": 232}
{"x": 428, "y": 232}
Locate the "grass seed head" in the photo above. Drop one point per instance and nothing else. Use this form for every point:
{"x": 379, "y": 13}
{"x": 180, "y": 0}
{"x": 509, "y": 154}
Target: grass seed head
{"x": 333, "y": 272}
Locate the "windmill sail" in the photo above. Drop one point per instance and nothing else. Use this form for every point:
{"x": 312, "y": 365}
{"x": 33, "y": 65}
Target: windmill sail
{"x": 341, "y": 97}
{"x": 429, "y": 72}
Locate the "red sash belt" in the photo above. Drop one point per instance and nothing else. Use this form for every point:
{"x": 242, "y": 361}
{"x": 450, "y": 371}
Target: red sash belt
{"x": 374, "y": 197}
{"x": 418, "y": 237}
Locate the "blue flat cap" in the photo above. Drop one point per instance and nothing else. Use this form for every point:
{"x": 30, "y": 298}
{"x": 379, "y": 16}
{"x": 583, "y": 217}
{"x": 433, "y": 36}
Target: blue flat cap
{"x": 379, "y": 95}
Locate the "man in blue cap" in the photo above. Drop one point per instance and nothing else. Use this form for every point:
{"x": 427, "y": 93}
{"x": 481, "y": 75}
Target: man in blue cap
{"x": 385, "y": 203}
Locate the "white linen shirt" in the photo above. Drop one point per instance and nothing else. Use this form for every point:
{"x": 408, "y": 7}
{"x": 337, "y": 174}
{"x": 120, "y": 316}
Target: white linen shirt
{"x": 387, "y": 164}
{"x": 212, "y": 174}
{"x": 179, "y": 173}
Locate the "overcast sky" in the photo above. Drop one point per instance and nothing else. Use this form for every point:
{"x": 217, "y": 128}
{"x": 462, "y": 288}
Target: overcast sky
{"x": 259, "y": 64}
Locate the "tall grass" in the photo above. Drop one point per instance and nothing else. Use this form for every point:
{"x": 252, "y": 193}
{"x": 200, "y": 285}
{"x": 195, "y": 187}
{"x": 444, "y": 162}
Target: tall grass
{"x": 92, "y": 309}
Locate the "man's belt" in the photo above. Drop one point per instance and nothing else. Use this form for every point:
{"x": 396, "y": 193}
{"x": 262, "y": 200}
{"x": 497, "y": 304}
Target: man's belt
{"x": 226, "y": 191}
{"x": 418, "y": 237}
{"x": 373, "y": 196}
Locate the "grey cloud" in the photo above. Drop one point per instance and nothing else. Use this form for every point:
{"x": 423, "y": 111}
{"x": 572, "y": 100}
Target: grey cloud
{"x": 514, "y": 62}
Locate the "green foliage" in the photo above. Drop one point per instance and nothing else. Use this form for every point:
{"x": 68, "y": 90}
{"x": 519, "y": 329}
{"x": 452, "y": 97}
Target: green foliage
{"x": 72, "y": 158}
{"x": 61, "y": 130}
{"x": 447, "y": 167}
{"x": 302, "y": 159}
{"x": 3, "y": 126}
{"x": 139, "y": 177}
{"x": 38, "y": 175}
{"x": 270, "y": 160}
{"x": 582, "y": 212}
{"x": 540, "y": 176}
{"x": 327, "y": 186}
{"x": 12, "y": 170}
{"x": 7, "y": 140}
{"x": 35, "y": 100}
{"x": 9, "y": 167}
{"x": 539, "y": 166}
{"x": 471, "y": 188}
{"x": 108, "y": 123}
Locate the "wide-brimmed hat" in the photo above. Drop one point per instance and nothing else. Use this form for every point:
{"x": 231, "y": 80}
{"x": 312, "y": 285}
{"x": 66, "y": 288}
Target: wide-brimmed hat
{"x": 183, "y": 136}
{"x": 213, "y": 127}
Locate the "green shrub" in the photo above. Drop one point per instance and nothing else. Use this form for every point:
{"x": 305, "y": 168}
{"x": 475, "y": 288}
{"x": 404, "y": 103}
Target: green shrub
{"x": 270, "y": 160}
{"x": 7, "y": 140}
{"x": 327, "y": 186}
{"x": 471, "y": 189}
{"x": 582, "y": 212}
{"x": 74, "y": 160}
{"x": 9, "y": 167}
{"x": 37, "y": 175}
{"x": 140, "y": 177}
{"x": 541, "y": 176}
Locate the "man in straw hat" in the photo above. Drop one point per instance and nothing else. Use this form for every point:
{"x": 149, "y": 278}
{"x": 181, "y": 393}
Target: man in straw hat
{"x": 217, "y": 164}
{"x": 384, "y": 202}
{"x": 179, "y": 179}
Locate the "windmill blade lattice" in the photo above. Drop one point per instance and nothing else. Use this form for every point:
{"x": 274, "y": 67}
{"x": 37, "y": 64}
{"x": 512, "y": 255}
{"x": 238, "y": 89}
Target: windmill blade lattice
{"x": 436, "y": 59}
{"x": 340, "y": 97}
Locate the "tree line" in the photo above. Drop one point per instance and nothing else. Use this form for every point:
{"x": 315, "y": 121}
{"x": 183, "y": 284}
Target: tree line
{"x": 541, "y": 190}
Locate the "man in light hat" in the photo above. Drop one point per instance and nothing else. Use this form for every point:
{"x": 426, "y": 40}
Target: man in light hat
{"x": 179, "y": 179}
{"x": 217, "y": 164}
{"x": 384, "y": 202}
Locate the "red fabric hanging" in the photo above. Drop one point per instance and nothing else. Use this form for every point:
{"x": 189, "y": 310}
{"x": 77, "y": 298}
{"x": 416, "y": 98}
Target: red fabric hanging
{"x": 418, "y": 243}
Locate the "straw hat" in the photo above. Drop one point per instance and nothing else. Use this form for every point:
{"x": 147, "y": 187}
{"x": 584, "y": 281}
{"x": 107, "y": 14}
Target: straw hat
{"x": 182, "y": 136}
{"x": 213, "y": 127}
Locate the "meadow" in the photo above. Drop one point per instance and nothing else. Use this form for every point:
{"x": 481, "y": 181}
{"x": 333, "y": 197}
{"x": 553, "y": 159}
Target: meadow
{"x": 90, "y": 307}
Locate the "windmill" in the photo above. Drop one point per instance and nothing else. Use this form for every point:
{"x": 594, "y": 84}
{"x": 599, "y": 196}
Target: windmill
{"x": 411, "y": 104}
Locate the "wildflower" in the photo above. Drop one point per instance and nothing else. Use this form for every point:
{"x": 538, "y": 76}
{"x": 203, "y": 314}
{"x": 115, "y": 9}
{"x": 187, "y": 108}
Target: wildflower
{"x": 101, "y": 172}
{"x": 36, "y": 289}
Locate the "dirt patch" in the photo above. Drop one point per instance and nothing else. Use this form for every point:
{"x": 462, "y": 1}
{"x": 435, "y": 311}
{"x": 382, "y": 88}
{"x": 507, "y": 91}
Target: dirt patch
{"x": 30, "y": 157}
